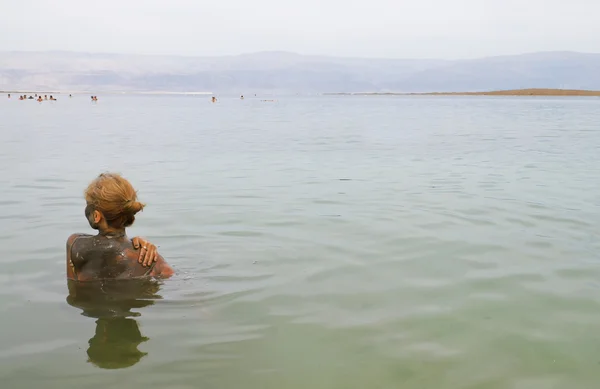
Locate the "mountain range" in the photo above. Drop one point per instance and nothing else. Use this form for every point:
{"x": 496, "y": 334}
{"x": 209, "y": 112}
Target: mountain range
{"x": 283, "y": 72}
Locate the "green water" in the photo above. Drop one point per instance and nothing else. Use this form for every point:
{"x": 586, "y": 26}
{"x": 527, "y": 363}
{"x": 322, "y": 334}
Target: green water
{"x": 323, "y": 242}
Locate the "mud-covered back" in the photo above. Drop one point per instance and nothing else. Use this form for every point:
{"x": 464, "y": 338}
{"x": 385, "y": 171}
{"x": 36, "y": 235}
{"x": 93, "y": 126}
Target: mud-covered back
{"x": 99, "y": 257}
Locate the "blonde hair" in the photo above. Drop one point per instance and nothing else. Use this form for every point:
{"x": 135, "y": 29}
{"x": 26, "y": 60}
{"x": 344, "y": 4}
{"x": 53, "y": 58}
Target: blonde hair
{"x": 115, "y": 197}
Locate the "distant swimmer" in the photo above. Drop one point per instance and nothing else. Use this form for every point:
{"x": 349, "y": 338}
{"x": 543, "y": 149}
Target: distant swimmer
{"x": 45, "y": 97}
{"x": 52, "y": 98}
{"x": 70, "y": 96}
{"x": 242, "y": 97}
{"x": 9, "y": 95}
{"x": 40, "y": 99}
{"x": 214, "y": 99}
{"x": 20, "y": 97}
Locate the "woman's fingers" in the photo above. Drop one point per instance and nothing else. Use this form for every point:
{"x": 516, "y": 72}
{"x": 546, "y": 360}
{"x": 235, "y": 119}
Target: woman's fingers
{"x": 136, "y": 242}
{"x": 141, "y": 244}
{"x": 151, "y": 255}
{"x": 142, "y": 256}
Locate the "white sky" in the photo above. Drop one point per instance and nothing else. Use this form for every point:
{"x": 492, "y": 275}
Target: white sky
{"x": 361, "y": 28}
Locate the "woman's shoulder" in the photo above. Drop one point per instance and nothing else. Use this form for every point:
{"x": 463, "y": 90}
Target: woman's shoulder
{"x": 77, "y": 235}
{"x": 73, "y": 237}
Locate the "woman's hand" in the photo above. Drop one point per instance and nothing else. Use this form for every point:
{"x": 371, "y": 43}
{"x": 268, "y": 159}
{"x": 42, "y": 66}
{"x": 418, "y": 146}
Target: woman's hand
{"x": 148, "y": 251}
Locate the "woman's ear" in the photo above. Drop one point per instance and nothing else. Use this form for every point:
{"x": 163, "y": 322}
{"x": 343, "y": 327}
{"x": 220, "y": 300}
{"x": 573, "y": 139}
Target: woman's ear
{"x": 97, "y": 216}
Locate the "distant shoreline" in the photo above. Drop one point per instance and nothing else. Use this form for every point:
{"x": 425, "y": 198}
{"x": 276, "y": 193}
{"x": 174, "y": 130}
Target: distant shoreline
{"x": 30, "y": 92}
{"x": 108, "y": 92}
{"x": 512, "y": 92}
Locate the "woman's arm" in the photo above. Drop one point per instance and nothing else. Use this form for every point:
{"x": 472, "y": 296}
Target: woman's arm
{"x": 148, "y": 255}
{"x": 161, "y": 268}
{"x": 71, "y": 272}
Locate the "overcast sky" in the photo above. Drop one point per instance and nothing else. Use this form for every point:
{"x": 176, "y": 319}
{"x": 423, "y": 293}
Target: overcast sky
{"x": 360, "y": 28}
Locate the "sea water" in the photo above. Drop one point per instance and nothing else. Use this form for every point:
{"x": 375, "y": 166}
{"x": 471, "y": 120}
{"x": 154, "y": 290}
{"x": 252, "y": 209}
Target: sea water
{"x": 319, "y": 242}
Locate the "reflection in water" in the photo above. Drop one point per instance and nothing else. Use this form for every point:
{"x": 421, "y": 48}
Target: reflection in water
{"x": 117, "y": 337}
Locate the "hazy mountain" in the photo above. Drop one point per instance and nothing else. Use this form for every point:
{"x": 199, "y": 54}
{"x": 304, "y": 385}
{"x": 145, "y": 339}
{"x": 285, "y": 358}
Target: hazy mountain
{"x": 288, "y": 72}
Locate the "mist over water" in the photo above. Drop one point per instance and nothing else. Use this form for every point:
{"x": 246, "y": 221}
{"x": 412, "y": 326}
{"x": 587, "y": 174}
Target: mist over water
{"x": 319, "y": 242}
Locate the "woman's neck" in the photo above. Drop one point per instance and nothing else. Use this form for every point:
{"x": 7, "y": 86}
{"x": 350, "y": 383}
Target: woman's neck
{"x": 112, "y": 232}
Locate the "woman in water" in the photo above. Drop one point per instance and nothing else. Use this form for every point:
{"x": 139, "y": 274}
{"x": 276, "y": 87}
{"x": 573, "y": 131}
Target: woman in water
{"x": 111, "y": 207}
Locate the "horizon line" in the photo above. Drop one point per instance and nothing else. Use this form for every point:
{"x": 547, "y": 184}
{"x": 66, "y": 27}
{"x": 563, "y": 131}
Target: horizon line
{"x": 100, "y": 53}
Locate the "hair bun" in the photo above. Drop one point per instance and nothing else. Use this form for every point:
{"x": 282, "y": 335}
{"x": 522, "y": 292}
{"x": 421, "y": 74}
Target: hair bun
{"x": 134, "y": 206}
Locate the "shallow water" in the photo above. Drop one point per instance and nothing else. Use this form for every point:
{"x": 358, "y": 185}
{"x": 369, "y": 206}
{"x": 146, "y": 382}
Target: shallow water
{"x": 320, "y": 242}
